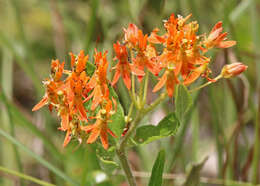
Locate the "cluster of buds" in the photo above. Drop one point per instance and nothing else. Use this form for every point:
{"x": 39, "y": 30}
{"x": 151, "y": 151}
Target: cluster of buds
{"x": 181, "y": 59}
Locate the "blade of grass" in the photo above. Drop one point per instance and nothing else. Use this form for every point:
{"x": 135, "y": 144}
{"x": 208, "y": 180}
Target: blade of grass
{"x": 195, "y": 135}
{"x": 239, "y": 10}
{"x": 24, "y": 176}
{"x": 216, "y": 127}
{"x": 178, "y": 144}
{"x": 38, "y": 158}
{"x": 7, "y": 79}
{"x": 22, "y": 120}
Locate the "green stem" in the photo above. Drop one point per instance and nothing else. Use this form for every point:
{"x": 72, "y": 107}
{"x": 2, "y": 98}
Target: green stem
{"x": 155, "y": 103}
{"x": 133, "y": 86}
{"x": 206, "y": 84}
{"x": 146, "y": 81}
{"x": 132, "y": 96}
{"x": 122, "y": 144}
{"x": 26, "y": 177}
{"x": 125, "y": 165}
{"x": 130, "y": 112}
{"x": 140, "y": 95}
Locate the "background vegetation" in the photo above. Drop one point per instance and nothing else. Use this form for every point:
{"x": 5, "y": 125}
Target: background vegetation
{"x": 223, "y": 123}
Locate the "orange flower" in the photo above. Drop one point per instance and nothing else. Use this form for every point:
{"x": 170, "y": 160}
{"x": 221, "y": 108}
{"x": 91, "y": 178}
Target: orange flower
{"x": 147, "y": 59}
{"x": 170, "y": 80}
{"x": 56, "y": 69}
{"x": 182, "y": 55}
{"x": 124, "y": 68}
{"x": 100, "y": 128}
{"x": 216, "y": 38}
{"x": 75, "y": 93}
{"x": 98, "y": 81}
{"x": 131, "y": 35}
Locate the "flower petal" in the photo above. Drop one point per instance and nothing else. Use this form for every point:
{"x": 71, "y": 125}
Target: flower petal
{"x": 161, "y": 82}
{"x": 39, "y": 105}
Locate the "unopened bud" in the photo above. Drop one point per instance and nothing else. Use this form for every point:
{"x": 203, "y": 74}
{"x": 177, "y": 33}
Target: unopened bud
{"x": 233, "y": 69}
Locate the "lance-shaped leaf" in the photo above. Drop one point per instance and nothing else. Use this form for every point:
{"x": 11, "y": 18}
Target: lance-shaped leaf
{"x": 168, "y": 126}
{"x": 106, "y": 157}
{"x": 117, "y": 123}
{"x": 157, "y": 172}
{"x": 183, "y": 101}
{"x": 193, "y": 178}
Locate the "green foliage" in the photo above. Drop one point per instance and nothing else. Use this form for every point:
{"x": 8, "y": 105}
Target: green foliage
{"x": 118, "y": 119}
{"x": 157, "y": 172}
{"x": 193, "y": 178}
{"x": 106, "y": 158}
{"x": 183, "y": 101}
{"x": 90, "y": 69}
{"x": 168, "y": 126}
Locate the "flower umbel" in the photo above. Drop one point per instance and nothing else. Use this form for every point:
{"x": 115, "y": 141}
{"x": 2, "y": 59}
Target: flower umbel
{"x": 84, "y": 101}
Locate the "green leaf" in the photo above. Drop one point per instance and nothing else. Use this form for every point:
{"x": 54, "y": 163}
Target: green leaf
{"x": 183, "y": 101}
{"x": 90, "y": 68}
{"x": 157, "y": 172}
{"x": 106, "y": 158}
{"x": 193, "y": 178}
{"x": 168, "y": 126}
{"x": 118, "y": 119}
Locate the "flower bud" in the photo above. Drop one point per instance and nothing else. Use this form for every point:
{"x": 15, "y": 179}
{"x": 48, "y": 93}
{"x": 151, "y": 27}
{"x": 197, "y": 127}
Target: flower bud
{"x": 233, "y": 69}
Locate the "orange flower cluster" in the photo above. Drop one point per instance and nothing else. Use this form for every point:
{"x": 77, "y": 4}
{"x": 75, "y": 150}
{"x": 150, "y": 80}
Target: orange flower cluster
{"x": 68, "y": 96}
{"x": 181, "y": 59}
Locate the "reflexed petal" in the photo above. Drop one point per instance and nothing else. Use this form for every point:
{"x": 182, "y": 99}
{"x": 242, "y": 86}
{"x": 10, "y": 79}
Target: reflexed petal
{"x": 192, "y": 77}
{"x": 64, "y": 121}
{"x": 136, "y": 71}
{"x": 104, "y": 138}
{"x": 226, "y": 44}
{"x": 161, "y": 82}
{"x": 116, "y": 77}
{"x": 67, "y": 138}
{"x": 111, "y": 133}
{"x": 39, "y": 105}
{"x": 127, "y": 79}
{"x": 94, "y": 135}
{"x": 97, "y": 97}
{"x": 88, "y": 128}
{"x": 81, "y": 109}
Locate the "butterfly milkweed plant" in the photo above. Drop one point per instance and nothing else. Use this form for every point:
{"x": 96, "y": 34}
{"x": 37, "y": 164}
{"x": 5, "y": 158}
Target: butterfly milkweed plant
{"x": 171, "y": 61}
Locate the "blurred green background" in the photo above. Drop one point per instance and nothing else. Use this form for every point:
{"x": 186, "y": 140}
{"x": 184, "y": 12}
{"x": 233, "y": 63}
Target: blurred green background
{"x": 222, "y": 122}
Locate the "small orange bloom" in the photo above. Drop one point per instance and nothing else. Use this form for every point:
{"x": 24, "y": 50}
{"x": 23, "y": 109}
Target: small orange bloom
{"x": 170, "y": 80}
{"x": 98, "y": 81}
{"x": 100, "y": 128}
{"x": 124, "y": 68}
{"x": 131, "y": 35}
{"x": 216, "y": 38}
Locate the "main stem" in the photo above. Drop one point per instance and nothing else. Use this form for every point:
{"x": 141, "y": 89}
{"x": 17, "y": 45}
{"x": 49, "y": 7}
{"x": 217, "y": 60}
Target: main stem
{"x": 121, "y": 152}
{"x": 125, "y": 165}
